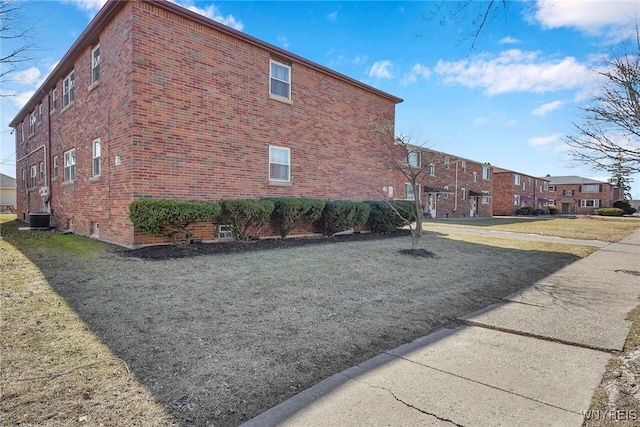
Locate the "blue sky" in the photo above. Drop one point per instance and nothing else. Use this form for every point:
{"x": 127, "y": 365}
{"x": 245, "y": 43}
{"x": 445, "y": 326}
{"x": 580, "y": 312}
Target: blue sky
{"x": 507, "y": 97}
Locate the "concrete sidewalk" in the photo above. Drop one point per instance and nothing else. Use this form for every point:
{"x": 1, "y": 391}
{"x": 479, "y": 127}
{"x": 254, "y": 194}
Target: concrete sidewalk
{"x": 533, "y": 360}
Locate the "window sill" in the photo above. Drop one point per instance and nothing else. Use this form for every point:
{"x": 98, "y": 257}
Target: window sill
{"x": 52, "y": 112}
{"x": 280, "y": 99}
{"x": 69, "y": 105}
{"x": 93, "y": 86}
{"x": 95, "y": 178}
{"x": 280, "y": 183}
{"x": 67, "y": 183}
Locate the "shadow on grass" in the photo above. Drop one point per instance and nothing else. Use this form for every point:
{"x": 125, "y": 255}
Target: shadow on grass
{"x": 219, "y": 339}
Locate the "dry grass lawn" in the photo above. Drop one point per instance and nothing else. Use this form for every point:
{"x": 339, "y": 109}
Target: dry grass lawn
{"x": 92, "y": 337}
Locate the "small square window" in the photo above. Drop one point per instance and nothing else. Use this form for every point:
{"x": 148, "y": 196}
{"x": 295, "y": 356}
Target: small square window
{"x": 413, "y": 158}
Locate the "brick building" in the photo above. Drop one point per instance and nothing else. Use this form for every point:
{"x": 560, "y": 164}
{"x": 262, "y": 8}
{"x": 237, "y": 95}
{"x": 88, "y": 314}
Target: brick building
{"x": 452, "y": 187}
{"x": 154, "y": 101}
{"x": 513, "y": 190}
{"x": 577, "y": 195}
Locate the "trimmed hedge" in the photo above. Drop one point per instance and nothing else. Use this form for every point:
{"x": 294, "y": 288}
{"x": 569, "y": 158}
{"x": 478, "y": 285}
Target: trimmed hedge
{"x": 525, "y": 210}
{"x": 341, "y": 215}
{"x": 609, "y": 212}
{"x": 162, "y": 217}
{"x": 386, "y": 217}
{"x": 245, "y": 215}
{"x": 288, "y": 213}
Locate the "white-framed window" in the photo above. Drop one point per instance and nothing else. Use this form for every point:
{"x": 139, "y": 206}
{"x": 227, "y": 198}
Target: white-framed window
{"x": 55, "y": 166}
{"x": 463, "y": 165}
{"x": 387, "y": 190}
{"x": 70, "y": 165}
{"x": 95, "y": 171}
{"x": 463, "y": 193}
{"x": 475, "y": 177}
{"x": 279, "y": 164}
{"x": 486, "y": 172}
{"x": 24, "y": 179}
{"x": 590, "y": 188}
{"x": 446, "y": 195}
{"x": 552, "y": 188}
{"x": 486, "y": 198}
{"x": 432, "y": 170}
{"x": 54, "y": 98}
{"x": 409, "y": 191}
{"x": 32, "y": 122}
{"x": 516, "y": 179}
{"x": 95, "y": 64}
{"x": 40, "y": 112}
{"x": 22, "y": 131}
{"x": 567, "y": 192}
{"x": 413, "y": 158}
{"x": 68, "y": 89}
{"x": 33, "y": 176}
{"x": 589, "y": 203}
{"x": 280, "y": 80}
{"x": 516, "y": 200}
{"x": 524, "y": 185}
{"x": 446, "y": 163}
{"x": 546, "y": 186}
{"x": 551, "y": 202}
{"x": 41, "y": 171}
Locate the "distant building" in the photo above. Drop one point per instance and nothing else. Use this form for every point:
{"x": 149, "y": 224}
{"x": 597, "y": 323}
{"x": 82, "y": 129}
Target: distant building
{"x": 514, "y": 190}
{"x": 7, "y": 193}
{"x": 577, "y": 195}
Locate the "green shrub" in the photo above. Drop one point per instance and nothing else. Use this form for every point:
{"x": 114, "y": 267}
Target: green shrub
{"x": 387, "y": 216}
{"x": 625, "y": 206}
{"x": 553, "y": 210}
{"x": 288, "y": 213}
{"x": 537, "y": 212}
{"x": 162, "y": 217}
{"x": 245, "y": 215}
{"x": 525, "y": 210}
{"x": 609, "y": 212}
{"x": 340, "y": 215}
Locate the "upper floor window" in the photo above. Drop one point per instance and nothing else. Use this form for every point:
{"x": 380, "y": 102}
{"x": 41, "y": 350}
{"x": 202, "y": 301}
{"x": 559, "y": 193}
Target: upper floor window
{"x": 70, "y": 165}
{"x": 413, "y": 158}
{"x": 279, "y": 164}
{"x": 568, "y": 192}
{"x": 432, "y": 170}
{"x": 590, "y": 188}
{"x": 280, "y": 77}
{"x": 546, "y": 186}
{"x": 552, "y": 188}
{"x": 96, "y": 158}
{"x": 68, "y": 89}
{"x": 446, "y": 163}
{"x": 32, "y": 123}
{"x": 54, "y": 99}
{"x": 40, "y": 112}
{"x": 463, "y": 165}
{"x": 516, "y": 179}
{"x": 475, "y": 177}
{"x": 22, "y": 131}
{"x": 486, "y": 172}
{"x": 95, "y": 64}
{"x": 55, "y": 166}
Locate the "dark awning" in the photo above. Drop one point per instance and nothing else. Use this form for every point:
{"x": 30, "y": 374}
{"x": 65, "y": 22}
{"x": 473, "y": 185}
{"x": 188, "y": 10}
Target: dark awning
{"x": 436, "y": 190}
{"x": 475, "y": 194}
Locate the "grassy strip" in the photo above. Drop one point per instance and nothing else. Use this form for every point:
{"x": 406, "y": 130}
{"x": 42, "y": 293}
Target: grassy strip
{"x": 54, "y": 370}
{"x": 524, "y": 245}
{"x": 591, "y": 228}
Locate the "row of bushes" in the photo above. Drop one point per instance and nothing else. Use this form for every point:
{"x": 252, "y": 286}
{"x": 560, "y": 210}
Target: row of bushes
{"x": 161, "y": 217}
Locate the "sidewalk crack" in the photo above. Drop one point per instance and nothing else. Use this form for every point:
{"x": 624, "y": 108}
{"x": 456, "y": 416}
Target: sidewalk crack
{"x": 408, "y": 405}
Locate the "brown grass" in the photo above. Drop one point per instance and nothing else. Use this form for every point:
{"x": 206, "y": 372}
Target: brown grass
{"x": 218, "y": 339}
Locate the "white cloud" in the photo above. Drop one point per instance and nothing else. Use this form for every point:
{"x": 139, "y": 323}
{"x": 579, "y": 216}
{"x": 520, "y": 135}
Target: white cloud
{"x": 545, "y": 108}
{"x": 613, "y": 18}
{"x": 543, "y": 141}
{"x": 30, "y": 76}
{"x": 337, "y": 59}
{"x": 284, "y": 42}
{"x": 381, "y": 69}
{"x": 515, "y": 71}
{"x": 211, "y": 12}
{"x": 19, "y": 99}
{"x": 91, "y": 6}
{"x": 418, "y": 70}
{"x": 508, "y": 40}
{"x": 333, "y": 16}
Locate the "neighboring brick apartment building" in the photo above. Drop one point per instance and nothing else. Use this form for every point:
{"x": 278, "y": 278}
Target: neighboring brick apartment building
{"x": 513, "y": 190}
{"x": 154, "y": 101}
{"x": 453, "y": 187}
{"x": 577, "y": 195}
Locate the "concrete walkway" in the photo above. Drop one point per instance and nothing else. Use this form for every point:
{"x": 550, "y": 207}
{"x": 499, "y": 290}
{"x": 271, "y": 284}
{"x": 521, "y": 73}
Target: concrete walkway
{"x": 533, "y": 360}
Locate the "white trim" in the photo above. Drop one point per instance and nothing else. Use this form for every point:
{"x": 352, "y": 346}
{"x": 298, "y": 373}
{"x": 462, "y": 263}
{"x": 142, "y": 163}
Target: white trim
{"x": 287, "y": 82}
{"x": 288, "y": 164}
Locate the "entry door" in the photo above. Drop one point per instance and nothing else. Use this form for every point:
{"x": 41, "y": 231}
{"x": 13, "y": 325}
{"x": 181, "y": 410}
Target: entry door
{"x": 474, "y": 207}
{"x": 566, "y": 208}
{"x": 433, "y": 201}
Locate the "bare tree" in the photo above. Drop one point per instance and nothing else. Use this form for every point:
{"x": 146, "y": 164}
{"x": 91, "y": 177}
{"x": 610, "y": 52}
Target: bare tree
{"x": 414, "y": 163}
{"x": 609, "y": 137}
{"x": 15, "y": 42}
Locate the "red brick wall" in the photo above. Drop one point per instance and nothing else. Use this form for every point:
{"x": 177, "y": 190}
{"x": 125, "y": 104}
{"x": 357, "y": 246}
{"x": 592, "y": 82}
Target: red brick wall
{"x": 530, "y": 190}
{"x": 606, "y": 197}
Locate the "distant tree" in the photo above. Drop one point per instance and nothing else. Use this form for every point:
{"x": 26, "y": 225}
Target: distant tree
{"x": 15, "y": 42}
{"x": 609, "y": 137}
{"x": 621, "y": 177}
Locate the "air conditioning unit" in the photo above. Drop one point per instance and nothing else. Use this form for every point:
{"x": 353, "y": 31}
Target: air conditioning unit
{"x": 224, "y": 231}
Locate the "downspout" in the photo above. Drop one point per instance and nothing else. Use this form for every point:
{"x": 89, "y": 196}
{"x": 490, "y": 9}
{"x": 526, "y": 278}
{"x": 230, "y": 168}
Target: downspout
{"x": 455, "y": 197}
